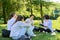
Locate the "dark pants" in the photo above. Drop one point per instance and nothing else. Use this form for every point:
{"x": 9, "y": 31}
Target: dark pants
{"x": 58, "y": 30}
{"x": 37, "y": 29}
{"x": 45, "y": 30}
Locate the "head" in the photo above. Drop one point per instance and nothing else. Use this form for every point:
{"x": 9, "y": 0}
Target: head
{"x": 32, "y": 17}
{"x": 46, "y": 17}
{"x": 20, "y": 18}
{"x": 13, "y": 14}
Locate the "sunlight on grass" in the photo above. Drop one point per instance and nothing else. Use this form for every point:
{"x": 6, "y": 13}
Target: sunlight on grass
{"x": 3, "y": 25}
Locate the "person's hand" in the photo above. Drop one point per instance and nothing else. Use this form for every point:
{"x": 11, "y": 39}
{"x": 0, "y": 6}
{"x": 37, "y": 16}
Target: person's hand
{"x": 15, "y": 16}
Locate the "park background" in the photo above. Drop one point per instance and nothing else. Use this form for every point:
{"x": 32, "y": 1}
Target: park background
{"x": 27, "y": 7}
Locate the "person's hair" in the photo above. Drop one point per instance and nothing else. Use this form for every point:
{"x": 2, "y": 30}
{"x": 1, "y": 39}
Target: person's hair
{"x": 19, "y": 18}
{"x": 11, "y": 15}
{"x": 31, "y": 15}
{"x": 46, "y": 16}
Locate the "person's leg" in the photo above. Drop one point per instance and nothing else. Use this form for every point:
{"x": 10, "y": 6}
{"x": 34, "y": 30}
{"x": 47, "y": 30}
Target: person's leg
{"x": 41, "y": 29}
{"x": 30, "y": 31}
{"x": 52, "y": 31}
{"x": 57, "y": 30}
{"x": 36, "y": 29}
{"x": 48, "y": 30}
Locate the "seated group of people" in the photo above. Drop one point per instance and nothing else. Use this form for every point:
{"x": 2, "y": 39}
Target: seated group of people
{"x": 18, "y": 27}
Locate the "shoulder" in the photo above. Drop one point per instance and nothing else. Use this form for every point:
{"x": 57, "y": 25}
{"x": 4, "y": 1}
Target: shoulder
{"x": 12, "y": 19}
{"x": 28, "y": 18}
{"x": 19, "y": 22}
{"x": 50, "y": 20}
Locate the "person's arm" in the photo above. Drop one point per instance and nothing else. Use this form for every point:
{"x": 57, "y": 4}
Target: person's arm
{"x": 32, "y": 23}
{"x": 26, "y": 21}
{"x": 50, "y": 24}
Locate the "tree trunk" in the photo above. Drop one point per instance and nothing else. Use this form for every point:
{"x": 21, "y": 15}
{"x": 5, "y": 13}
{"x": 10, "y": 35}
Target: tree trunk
{"x": 41, "y": 11}
{"x": 4, "y": 13}
{"x": 31, "y": 7}
{"x": 31, "y": 11}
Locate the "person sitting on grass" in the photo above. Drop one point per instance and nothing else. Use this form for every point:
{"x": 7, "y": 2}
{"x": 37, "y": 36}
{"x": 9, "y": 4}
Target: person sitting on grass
{"x": 11, "y": 20}
{"x": 30, "y": 22}
{"x": 18, "y": 29}
{"x": 47, "y": 23}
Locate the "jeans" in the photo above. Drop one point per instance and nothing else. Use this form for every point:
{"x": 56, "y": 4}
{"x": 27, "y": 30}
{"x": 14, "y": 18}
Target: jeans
{"x": 21, "y": 38}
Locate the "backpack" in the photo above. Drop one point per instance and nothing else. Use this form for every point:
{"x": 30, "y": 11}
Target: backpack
{"x": 5, "y": 33}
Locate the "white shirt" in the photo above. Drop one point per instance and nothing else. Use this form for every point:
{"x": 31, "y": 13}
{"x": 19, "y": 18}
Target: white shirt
{"x": 48, "y": 23}
{"x": 10, "y": 23}
{"x": 18, "y": 29}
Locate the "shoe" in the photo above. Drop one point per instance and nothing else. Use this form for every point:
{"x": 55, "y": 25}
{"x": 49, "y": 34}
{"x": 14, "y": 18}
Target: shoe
{"x": 53, "y": 33}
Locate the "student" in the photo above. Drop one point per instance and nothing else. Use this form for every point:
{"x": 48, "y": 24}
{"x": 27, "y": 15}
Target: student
{"x": 30, "y": 22}
{"x": 11, "y": 20}
{"x": 47, "y": 23}
{"x": 18, "y": 29}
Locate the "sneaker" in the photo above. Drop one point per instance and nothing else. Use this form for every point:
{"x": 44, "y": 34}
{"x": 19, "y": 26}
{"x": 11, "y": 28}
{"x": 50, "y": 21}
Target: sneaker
{"x": 53, "y": 33}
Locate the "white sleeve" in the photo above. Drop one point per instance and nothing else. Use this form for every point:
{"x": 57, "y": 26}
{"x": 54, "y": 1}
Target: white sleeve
{"x": 10, "y": 23}
{"x": 27, "y": 20}
{"x": 50, "y": 24}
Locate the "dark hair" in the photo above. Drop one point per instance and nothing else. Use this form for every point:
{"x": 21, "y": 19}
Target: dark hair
{"x": 19, "y": 18}
{"x": 11, "y": 15}
{"x": 46, "y": 17}
{"x": 31, "y": 15}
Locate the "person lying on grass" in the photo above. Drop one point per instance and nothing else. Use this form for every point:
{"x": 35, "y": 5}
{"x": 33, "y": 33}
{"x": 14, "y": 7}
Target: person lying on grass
{"x": 47, "y": 25}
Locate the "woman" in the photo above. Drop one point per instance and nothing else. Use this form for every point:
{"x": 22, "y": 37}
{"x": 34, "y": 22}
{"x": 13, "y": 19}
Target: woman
{"x": 30, "y": 22}
{"x": 11, "y": 20}
{"x": 18, "y": 28}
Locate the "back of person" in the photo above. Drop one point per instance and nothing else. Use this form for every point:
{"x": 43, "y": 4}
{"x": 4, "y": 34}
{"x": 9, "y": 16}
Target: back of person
{"x": 10, "y": 23}
{"x": 11, "y": 20}
{"x": 18, "y": 28}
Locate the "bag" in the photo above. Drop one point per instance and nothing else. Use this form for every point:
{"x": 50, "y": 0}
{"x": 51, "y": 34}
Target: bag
{"x": 5, "y": 33}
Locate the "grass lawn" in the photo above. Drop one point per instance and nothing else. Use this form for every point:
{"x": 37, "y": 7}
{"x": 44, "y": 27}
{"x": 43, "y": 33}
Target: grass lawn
{"x": 40, "y": 36}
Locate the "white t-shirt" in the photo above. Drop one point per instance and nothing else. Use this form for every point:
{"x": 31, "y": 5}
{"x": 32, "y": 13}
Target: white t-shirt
{"x": 10, "y": 23}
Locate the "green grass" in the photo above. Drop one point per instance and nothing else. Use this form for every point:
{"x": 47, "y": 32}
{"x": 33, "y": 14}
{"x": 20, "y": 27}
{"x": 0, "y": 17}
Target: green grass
{"x": 40, "y": 36}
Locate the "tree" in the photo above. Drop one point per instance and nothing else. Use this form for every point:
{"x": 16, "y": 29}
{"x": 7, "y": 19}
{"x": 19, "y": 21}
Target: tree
{"x": 42, "y": 3}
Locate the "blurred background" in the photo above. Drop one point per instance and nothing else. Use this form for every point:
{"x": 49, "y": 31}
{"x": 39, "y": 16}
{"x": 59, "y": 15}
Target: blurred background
{"x": 27, "y": 7}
